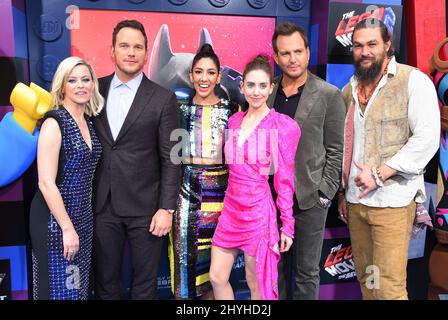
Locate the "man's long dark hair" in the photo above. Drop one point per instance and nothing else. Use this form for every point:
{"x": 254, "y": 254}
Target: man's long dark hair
{"x": 385, "y": 34}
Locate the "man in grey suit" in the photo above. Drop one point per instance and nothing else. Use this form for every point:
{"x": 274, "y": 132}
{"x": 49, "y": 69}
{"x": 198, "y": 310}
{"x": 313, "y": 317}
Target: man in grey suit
{"x": 318, "y": 107}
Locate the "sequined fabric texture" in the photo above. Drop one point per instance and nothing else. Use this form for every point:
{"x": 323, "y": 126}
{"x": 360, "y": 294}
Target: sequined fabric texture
{"x": 201, "y": 197}
{"x": 200, "y": 204}
{"x": 66, "y": 280}
{"x": 204, "y": 128}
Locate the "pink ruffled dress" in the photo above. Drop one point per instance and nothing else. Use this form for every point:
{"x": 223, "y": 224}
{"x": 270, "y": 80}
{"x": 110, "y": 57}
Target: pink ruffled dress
{"x": 248, "y": 220}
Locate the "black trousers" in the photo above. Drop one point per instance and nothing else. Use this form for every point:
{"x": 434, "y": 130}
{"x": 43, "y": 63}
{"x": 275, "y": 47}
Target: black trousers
{"x": 298, "y": 269}
{"x": 110, "y": 234}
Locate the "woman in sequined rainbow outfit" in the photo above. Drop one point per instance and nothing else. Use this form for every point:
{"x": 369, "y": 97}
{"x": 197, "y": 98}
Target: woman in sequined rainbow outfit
{"x": 204, "y": 120}
{"x": 61, "y": 218}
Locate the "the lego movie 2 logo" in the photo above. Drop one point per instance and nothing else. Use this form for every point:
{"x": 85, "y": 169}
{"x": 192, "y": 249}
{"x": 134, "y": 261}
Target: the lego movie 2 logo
{"x": 339, "y": 263}
{"x": 343, "y": 18}
{"x": 349, "y": 20}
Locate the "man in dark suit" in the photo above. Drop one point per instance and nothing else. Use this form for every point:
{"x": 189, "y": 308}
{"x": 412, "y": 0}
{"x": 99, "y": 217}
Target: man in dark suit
{"x": 318, "y": 107}
{"x": 136, "y": 184}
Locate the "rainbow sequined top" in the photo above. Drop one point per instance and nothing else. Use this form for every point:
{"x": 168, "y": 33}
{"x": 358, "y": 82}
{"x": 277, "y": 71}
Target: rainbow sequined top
{"x": 204, "y": 128}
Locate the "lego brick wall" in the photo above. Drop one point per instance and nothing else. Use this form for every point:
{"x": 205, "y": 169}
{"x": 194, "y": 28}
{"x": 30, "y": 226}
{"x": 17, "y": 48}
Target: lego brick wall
{"x": 13, "y": 200}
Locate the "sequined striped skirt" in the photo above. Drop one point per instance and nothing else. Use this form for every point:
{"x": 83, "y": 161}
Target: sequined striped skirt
{"x": 199, "y": 206}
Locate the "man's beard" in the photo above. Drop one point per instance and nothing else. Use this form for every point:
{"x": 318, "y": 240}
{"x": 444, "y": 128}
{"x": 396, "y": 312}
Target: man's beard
{"x": 368, "y": 75}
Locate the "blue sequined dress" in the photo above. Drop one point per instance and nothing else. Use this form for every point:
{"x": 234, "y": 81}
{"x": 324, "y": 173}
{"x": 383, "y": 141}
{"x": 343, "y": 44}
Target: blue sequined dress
{"x": 54, "y": 277}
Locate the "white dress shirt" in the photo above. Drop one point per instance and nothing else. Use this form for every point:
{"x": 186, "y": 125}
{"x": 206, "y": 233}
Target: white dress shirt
{"x": 119, "y": 101}
{"x": 409, "y": 161}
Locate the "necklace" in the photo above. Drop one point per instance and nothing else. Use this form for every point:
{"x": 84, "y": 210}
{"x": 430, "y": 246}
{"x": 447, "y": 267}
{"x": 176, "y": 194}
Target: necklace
{"x": 364, "y": 100}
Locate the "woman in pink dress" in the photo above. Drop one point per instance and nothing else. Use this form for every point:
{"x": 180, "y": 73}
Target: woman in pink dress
{"x": 259, "y": 140}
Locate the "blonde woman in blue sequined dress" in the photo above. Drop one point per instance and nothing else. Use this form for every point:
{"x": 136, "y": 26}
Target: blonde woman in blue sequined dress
{"x": 61, "y": 218}
{"x": 204, "y": 119}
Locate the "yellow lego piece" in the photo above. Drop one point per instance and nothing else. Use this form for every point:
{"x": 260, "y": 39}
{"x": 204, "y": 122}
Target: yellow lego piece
{"x": 30, "y": 104}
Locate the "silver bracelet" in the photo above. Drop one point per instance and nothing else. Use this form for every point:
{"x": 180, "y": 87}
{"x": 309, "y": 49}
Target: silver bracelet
{"x": 378, "y": 181}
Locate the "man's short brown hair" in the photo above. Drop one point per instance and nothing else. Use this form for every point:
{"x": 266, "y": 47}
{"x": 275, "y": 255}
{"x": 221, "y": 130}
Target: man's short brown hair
{"x": 133, "y": 24}
{"x": 287, "y": 29}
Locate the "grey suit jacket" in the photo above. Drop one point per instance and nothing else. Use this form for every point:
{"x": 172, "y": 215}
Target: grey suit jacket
{"x": 318, "y": 162}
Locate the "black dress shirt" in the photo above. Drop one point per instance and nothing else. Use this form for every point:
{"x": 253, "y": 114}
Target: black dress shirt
{"x": 287, "y": 105}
